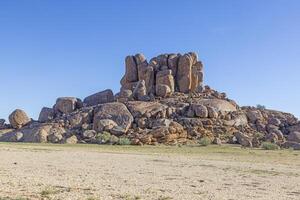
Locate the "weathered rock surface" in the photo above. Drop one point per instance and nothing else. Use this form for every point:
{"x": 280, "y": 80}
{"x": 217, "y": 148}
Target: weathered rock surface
{"x": 105, "y": 96}
{"x": 2, "y": 123}
{"x": 18, "y": 119}
{"x": 294, "y": 137}
{"x": 116, "y": 112}
{"x": 46, "y": 114}
{"x": 67, "y": 105}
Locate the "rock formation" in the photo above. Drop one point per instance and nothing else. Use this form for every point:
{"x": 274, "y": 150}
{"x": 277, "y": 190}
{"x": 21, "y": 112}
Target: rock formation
{"x": 162, "y": 100}
{"x": 164, "y": 74}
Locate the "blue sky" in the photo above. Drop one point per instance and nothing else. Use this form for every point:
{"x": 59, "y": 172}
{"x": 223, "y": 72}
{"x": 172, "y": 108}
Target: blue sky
{"x": 53, "y": 48}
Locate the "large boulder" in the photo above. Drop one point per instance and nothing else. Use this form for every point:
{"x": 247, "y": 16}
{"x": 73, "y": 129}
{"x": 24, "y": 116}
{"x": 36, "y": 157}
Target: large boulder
{"x": 104, "y": 125}
{"x": 218, "y": 104}
{"x": 116, "y": 112}
{"x": 56, "y": 134}
{"x": 197, "y": 76}
{"x": 2, "y": 123}
{"x": 46, "y": 114}
{"x": 131, "y": 74}
{"x": 294, "y": 128}
{"x": 165, "y": 77}
{"x": 254, "y": 115}
{"x": 145, "y": 109}
{"x": 243, "y": 139}
{"x": 71, "y": 140}
{"x": 67, "y": 105}
{"x": 18, "y": 119}
{"x": 184, "y": 73}
{"x": 77, "y": 119}
{"x": 140, "y": 90}
{"x": 105, "y": 96}
{"x": 294, "y": 137}
{"x": 173, "y": 63}
{"x": 35, "y": 133}
{"x": 200, "y": 110}
{"x": 163, "y": 90}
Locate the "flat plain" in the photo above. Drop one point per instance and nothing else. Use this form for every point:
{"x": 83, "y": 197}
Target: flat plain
{"x": 92, "y": 172}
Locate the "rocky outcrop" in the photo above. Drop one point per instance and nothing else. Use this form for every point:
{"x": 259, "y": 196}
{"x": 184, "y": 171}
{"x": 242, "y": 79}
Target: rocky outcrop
{"x": 160, "y": 101}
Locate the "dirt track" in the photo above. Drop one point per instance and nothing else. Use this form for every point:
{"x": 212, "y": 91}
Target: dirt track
{"x": 76, "y": 172}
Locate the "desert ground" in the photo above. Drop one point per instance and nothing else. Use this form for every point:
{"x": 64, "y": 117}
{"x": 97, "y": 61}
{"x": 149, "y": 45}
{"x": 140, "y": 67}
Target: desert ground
{"x": 92, "y": 172}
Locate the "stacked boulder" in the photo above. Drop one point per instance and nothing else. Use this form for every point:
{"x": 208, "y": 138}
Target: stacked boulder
{"x": 162, "y": 75}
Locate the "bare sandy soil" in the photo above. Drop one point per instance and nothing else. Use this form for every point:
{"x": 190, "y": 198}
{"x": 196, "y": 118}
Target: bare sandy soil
{"x": 35, "y": 171}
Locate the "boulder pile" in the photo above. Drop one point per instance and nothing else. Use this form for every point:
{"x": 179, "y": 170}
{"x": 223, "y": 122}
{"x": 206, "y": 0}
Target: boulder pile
{"x": 163, "y": 101}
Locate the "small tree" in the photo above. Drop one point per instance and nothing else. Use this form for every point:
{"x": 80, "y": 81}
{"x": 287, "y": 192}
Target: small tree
{"x": 262, "y": 107}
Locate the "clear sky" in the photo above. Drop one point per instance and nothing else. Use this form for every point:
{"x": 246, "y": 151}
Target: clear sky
{"x": 53, "y": 48}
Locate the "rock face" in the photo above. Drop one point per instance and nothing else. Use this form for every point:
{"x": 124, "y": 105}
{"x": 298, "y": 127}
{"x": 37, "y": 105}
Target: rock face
{"x": 18, "y": 119}
{"x": 105, "y": 96}
{"x": 160, "y": 101}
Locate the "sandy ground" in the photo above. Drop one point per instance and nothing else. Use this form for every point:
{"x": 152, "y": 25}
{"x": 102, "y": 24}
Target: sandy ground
{"x": 30, "y": 171}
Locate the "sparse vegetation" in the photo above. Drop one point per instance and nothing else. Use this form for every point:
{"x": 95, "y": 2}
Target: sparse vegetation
{"x": 205, "y": 141}
{"x": 164, "y": 198}
{"x": 259, "y": 135}
{"x": 124, "y": 141}
{"x": 103, "y": 138}
{"x": 48, "y": 191}
{"x": 259, "y": 106}
{"x": 128, "y": 197}
{"x": 269, "y": 146}
{"x": 113, "y": 139}
{"x": 17, "y": 198}
{"x": 92, "y": 198}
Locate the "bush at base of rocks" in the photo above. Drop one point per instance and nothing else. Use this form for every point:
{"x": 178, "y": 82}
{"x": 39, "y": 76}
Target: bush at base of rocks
{"x": 205, "y": 141}
{"x": 103, "y": 138}
{"x": 269, "y": 146}
{"x": 124, "y": 141}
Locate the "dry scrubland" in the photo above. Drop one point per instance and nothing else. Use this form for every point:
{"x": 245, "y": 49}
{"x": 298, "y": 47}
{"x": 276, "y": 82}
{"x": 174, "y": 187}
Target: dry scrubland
{"x": 44, "y": 171}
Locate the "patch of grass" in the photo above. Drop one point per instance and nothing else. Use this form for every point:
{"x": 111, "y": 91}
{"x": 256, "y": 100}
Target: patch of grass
{"x": 269, "y": 146}
{"x": 164, "y": 198}
{"x": 92, "y": 198}
{"x": 17, "y": 198}
{"x": 215, "y": 152}
{"x": 124, "y": 141}
{"x": 205, "y": 141}
{"x": 48, "y": 191}
{"x": 128, "y": 197}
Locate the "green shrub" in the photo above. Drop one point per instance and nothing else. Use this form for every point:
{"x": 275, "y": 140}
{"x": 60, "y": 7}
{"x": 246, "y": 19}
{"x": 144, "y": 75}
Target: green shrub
{"x": 205, "y": 141}
{"x": 113, "y": 139}
{"x": 124, "y": 141}
{"x": 103, "y": 138}
{"x": 259, "y": 106}
{"x": 269, "y": 146}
